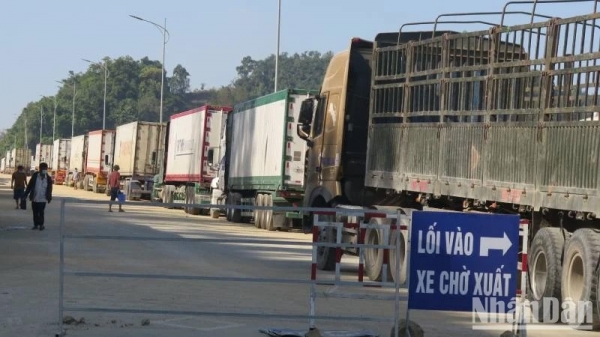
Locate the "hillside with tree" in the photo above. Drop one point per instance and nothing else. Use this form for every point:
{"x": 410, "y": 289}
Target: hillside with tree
{"x": 133, "y": 93}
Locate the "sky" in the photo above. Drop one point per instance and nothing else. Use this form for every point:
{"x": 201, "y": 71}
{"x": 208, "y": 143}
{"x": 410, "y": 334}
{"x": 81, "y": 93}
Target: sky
{"x": 43, "y": 40}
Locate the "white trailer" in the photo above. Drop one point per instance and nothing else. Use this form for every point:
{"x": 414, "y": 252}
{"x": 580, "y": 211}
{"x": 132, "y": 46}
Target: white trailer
{"x": 61, "y": 155}
{"x": 99, "y": 159}
{"x": 137, "y": 149}
{"x": 193, "y": 155}
{"x": 43, "y": 154}
{"x": 3, "y": 164}
{"x": 265, "y": 160}
{"x": 18, "y": 157}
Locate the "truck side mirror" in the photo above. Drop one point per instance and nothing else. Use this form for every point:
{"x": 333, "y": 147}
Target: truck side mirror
{"x": 306, "y": 112}
{"x": 210, "y": 156}
{"x": 303, "y": 132}
{"x": 106, "y": 159}
{"x": 153, "y": 157}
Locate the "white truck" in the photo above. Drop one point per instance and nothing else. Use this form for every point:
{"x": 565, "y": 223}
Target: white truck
{"x": 98, "y": 160}
{"x": 77, "y": 158}
{"x": 20, "y": 156}
{"x": 61, "y": 154}
{"x": 192, "y": 154}
{"x": 264, "y": 163}
{"x": 137, "y": 149}
{"x": 43, "y": 154}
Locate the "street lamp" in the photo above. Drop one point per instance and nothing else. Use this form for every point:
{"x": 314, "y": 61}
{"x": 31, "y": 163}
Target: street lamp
{"x": 106, "y": 74}
{"x": 165, "y": 33}
{"x": 278, "y": 39}
{"x": 73, "y": 115}
{"x": 41, "y": 118}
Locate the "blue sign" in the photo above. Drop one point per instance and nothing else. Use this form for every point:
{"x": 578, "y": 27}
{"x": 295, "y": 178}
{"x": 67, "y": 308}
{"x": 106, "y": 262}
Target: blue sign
{"x": 462, "y": 261}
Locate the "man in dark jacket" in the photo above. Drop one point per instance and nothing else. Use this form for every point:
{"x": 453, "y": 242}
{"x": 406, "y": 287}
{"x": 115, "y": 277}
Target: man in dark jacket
{"x": 39, "y": 191}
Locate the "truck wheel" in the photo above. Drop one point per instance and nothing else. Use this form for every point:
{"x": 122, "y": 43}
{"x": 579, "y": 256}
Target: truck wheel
{"x": 228, "y": 211}
{"x": 374, "y": 256}
{"x": 268, "y": 225}
{"x": 545, "y": 268}
{"x": 326, "y": 255}
{"x": 258, "y": 201}
{"x": 236, "y": 214}
{"x": 402, "y": 255}
{"x": 579, "y": 273}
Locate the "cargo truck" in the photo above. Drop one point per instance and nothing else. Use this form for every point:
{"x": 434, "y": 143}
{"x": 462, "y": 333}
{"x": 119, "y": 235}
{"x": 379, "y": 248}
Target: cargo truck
{"x": 43, "y": 153}
{"x": 16, "y": 157}
{"x": 77, "y": 159}
{"x": 98, "y": 160}
{"x": 61, "y": 154}
{"x": 467, "y": 122}
{"x": 137, "y": 149}
{"x": 264, "y": 163}
{"x": 192, "y": 155}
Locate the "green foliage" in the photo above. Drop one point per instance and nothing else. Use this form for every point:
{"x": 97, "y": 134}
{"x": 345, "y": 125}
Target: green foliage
{"x": 133, "y": 93}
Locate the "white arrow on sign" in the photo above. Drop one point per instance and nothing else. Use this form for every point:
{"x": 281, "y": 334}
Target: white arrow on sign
{"x": 486, "y": 244}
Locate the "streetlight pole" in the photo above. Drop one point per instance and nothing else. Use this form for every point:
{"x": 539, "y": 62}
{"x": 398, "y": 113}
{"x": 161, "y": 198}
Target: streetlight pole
{"x": 104, "y": 66}
{"x": 166, "y": 37}
{"x": 278, "y": 40}
{"x": 54, "y": 120}
{"x": 73, "y": 115}
{"x": 41, "y": 121}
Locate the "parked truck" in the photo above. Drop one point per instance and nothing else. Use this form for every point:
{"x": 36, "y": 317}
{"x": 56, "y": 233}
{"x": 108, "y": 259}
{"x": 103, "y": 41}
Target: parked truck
{"x": 16, "y": 157}
{"x": 264, "y": 163}
{"x": 98, "y": 160}
{"x": 192, "y": 155}
{"x": 137, "y": 149}
{"x": 467, "y": 122}
{"x": 61, "y": 154}
{"x": 77, "y": 159}
{"x": 43, "y": 153}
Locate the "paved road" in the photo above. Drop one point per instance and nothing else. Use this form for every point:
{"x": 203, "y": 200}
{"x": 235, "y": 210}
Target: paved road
{"x": 29, "y": 278}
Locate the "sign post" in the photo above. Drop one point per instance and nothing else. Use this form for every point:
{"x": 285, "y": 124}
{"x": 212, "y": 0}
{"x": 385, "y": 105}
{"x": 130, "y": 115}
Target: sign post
{"x": 463, "y": 261}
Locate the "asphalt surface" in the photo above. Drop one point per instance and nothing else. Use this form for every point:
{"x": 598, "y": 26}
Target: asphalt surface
{"x": 29, "y": 281}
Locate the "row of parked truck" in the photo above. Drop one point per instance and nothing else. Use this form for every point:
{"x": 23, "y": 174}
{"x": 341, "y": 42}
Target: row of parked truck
{"x": 475, "y": 121}
{"x": 245, "y": 155}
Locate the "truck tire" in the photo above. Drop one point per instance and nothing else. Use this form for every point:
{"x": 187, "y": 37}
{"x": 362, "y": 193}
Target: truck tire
{"x": 326, "y": 255}
{"x": 258, "y": 201}
{"x": 228, "y": 211}
{"x": 236, "y": 214}
{"x": 545, "y": 268}
{"x": 580, "y": 270}
{"x": 374, "y": 256}
{"x": 268, "y": 224}
{"x": 403, "y": 254}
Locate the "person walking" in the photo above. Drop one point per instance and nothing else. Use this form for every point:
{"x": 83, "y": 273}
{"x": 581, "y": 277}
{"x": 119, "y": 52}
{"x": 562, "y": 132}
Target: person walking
{"x": 39, "y": 191}
{"x": 114, "y": 183}
{"x": 75, "y": 178}
{"x": 18, "y": 184}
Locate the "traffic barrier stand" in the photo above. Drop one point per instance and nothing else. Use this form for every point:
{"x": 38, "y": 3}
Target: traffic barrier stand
{"x": 358, "y": 224}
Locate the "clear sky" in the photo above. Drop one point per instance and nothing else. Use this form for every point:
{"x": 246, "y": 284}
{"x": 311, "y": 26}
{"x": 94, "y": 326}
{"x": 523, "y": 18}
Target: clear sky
{"x": 42, "y": 40}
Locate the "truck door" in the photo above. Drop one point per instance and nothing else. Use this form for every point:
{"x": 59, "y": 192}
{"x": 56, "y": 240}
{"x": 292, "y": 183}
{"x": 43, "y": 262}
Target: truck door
{"x": 326, "y": 157}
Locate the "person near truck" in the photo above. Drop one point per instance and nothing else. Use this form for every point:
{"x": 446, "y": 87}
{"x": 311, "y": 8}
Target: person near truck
{"x": 75, "y": 178}
{"x": 114, "y": 183}
{"x": 18, "y": 184}
{"x": 39, "y": 191}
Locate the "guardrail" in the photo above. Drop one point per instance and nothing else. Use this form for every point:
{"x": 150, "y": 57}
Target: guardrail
{"x": 313, "y": 281}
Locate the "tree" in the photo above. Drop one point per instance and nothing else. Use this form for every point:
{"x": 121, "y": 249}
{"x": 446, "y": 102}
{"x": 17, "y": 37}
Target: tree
{"x": 180, "y": 82}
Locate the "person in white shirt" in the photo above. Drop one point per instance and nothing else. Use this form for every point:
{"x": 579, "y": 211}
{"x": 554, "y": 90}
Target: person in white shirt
{"x": 39, "y": 191}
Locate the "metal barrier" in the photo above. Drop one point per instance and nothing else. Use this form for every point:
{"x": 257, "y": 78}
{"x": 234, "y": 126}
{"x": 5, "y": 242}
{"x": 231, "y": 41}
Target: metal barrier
{"x": 313, "y": 281}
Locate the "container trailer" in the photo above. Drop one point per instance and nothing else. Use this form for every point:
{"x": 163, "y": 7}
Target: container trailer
{"x": 264, "y": 163}
{"x": 61, "y": 154}
{"x": 98, "y": 160}
{"x": 192, "y": 153}
{"x": 137, "y": 149}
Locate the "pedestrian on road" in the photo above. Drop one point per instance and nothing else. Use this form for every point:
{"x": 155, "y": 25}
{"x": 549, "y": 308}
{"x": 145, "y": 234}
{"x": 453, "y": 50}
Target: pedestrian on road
{"x": 75, "y": 178}
{"x": 39, "y": 191}
{"x": 18, "y": 184}
{"x": 114, "y": 183}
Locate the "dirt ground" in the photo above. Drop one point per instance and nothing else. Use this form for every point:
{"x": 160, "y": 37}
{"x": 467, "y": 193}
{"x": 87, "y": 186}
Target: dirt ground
{"x": 29, "y": 278}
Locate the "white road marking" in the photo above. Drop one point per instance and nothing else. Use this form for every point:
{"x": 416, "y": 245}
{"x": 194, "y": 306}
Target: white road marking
{"x": 227, "y": 325}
